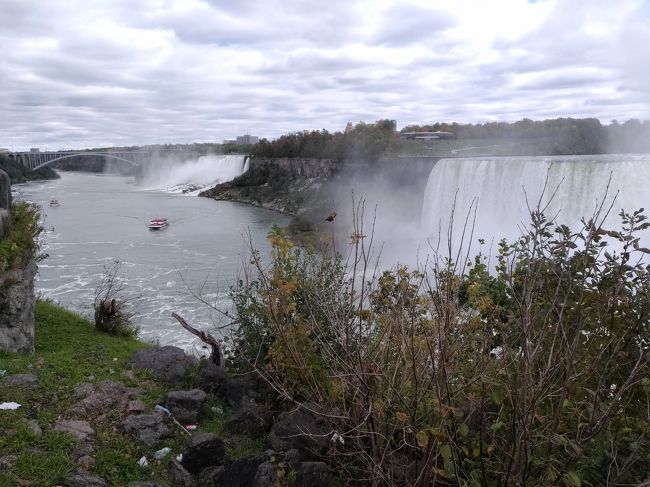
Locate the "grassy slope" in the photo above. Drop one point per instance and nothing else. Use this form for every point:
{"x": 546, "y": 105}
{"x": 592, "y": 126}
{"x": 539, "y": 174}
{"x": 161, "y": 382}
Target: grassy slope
{"x": 70, "y": 351}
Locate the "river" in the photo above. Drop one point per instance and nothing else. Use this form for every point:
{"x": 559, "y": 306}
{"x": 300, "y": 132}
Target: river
{"x": 102, "y": 218}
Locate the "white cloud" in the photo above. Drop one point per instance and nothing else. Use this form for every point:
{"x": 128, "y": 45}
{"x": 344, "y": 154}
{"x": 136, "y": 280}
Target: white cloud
{"x": 123, "y": 72}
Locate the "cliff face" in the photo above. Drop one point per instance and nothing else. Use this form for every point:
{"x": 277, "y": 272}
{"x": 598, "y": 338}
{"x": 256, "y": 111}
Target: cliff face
{"x": 17, "y": 302}
{"x": 282, "y": 184}
{"x": 17, "y": 298}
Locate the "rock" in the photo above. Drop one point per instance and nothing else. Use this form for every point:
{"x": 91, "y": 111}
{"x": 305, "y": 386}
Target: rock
{"x": 135, "y": 407}
{"x": 33, "y": 426}
{"x": 83, "y": 390}
{"x": 210, "y": 476}
{"x": 86, "y": 462}
{"x": 7, "y": 462}
{"x": 313, "y": 474}
{"x": 22, "y": 380}
{"x": 145, "y": 428}
{"x": 250, "y": 419}
{"x": 265, "y": 476}
{"x": 17, "y": 303}
{"x": 301, "y": 429}
{"x": 145, "y": 484}
{"x": 203, "y": 450}
{"x": 179, "y": 476}
{"x": 168, "y": 364}
{"x": 79, "y": 429}
{"x": 241, "y": 473}
{"x": 294, "y": 458}
{"x": 214, "y": 379}
{"x": 85, "y": 479}
{"x": 186, "y": 406}
{"x": 83, "y": 449}
{"x": 111, "y": 388}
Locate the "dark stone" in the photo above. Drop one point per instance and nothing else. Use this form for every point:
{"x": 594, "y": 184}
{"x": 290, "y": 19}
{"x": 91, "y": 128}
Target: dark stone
{"x": 168, "y": 364}
{"x": 23, "y": 380}
{"x": 294, "y": 458}
{"x": 7, "y": 462}
{"x": 301, "y": 429}
{"x": 82, "y": 391}
{"x": 85, "y": 479}
{"x": 242, "y": 472}
{"x": 145, "y": 428}
{"x": 146, "y": 484}
{"x": 211, "y": 476}
{"x": 179, "y": 476}
{"x": 313, "y": 474}
{"x": 186, "y": 406}
{"x": 17, "y": 303}
{"x": 81, "y": 430}
{"x": 203, "y": 450}
{"x": 249, "y": 418}
{"x": 215, "y": 380}
{"x": 265, "y": 476}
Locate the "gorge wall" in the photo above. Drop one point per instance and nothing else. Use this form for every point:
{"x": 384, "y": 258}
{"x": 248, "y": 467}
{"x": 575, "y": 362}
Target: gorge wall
{"x": 17, "y": 299}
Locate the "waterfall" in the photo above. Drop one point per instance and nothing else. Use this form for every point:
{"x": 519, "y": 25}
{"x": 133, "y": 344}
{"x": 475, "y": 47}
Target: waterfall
{"x": 194, "y": 175}
{"x": 501, "y": 186}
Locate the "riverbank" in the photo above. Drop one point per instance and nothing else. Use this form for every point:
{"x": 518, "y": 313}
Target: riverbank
{"x": 94, "y": 409}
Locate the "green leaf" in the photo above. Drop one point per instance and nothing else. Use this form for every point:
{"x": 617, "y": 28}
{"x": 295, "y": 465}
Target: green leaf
{"x": 572, "y": 479}
{"x": 422, "y": 438}
{"x": 497, "y": 398}
{"x": 463, "y": 430}
{"x": 445, "y": 451}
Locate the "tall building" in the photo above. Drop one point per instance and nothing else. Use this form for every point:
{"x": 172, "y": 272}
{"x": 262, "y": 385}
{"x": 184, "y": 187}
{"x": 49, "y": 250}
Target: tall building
{"x": 247, "y": 139}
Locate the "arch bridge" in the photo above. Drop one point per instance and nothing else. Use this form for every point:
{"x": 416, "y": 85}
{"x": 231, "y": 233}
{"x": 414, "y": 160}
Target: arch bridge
{"x": 36, "y": 160}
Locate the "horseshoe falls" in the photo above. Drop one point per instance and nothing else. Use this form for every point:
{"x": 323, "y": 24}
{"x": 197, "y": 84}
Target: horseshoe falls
{"x": 501, "y": 188}
{"x": 194, "y": 175}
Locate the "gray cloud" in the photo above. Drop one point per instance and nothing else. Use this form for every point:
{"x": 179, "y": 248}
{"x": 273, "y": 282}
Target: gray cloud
{"x": 119, "y": 72}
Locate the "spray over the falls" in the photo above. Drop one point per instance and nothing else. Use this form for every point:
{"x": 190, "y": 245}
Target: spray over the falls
{"x": 194, "y": 175}
{"x": 503, "y": 188}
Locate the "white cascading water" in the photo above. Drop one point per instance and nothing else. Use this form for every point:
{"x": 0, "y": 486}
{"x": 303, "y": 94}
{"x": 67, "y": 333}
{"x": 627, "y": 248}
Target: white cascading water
{"x": 500, "y": 186}
{"x": 194, "y": 175}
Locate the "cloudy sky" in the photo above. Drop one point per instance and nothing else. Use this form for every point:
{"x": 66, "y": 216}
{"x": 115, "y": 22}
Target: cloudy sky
{"x": 88, "y": 73}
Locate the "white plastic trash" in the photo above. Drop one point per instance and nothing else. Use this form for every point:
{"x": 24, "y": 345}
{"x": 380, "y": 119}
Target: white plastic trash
{"x": 162, "y": 453}
{"x": 143, "y": 462}
{"x": 9, "y": 405}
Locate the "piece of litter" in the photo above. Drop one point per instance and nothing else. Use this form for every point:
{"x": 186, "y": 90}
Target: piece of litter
{"x": 143, "y": 462}
{"x": 162, "y": 453}
{"x": 3, "y": 372}
{"x": 179, "y": 457}
{"x": 190, "y": 427}
{"x": 336, "y": 437}
{"x": 162, "y": 409}
{"x": 217, "y": 409}
{"x": 9, "y": 405}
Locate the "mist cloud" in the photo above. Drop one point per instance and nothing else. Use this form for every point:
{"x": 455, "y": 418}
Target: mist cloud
{"x": 118, "y": 72}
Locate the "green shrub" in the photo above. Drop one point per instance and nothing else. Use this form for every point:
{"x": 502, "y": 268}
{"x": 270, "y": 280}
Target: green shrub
{"x": 21, "y": 242}
{"x": 112, "y": 312}
{"x": 536, "y": 373}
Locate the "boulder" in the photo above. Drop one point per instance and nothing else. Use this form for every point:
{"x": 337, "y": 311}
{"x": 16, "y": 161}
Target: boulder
{"x": 7, "y": 462}
{"x": 81, "y": 430}
{"x": 168, "y": 364}
{"x": 301, "y": 429}
{"x": 210, "y": 476}
{"x": 203, "y": 450}
{"x": 313, "y": 474}
{"x": 249, "y": 418}
{"x": 145, "y": 428}
{"x": 146, "y": 484}
{"x": 179, "y": 476}
{"x": 265, "y": 475}
{"x": 83, "y": 478}
{"x": 213, "y": 379}
{"x": 186, "y": 406}
{"x": 241, "y": 473}
{"x": 22, "y": 380}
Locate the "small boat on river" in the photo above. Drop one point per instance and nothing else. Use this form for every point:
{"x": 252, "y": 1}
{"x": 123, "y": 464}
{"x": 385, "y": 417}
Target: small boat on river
{"x": 157, "y": 223}
{"x": 54, "y": 202}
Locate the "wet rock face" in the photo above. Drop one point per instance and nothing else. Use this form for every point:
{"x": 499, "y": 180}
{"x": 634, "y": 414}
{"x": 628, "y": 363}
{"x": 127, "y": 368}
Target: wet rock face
{"x": 17, "y": 302}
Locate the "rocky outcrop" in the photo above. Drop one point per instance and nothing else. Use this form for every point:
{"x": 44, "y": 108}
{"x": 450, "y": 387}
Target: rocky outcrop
{"x": 5, "y": 203}
{"x": 17, "y": 302}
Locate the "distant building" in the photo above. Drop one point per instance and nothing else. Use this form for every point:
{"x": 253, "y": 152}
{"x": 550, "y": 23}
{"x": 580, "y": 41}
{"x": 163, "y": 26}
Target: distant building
{"x": 34, "y": 150}
{"x": 4, "y": 150}
{"x": 229, "y": 141}
{"x": 247, "y": 139}
{"x": 427, "y": 135}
